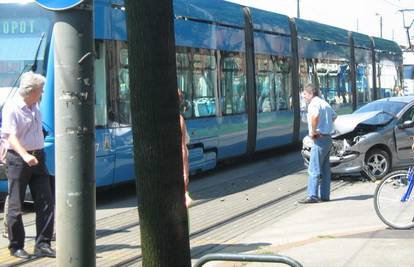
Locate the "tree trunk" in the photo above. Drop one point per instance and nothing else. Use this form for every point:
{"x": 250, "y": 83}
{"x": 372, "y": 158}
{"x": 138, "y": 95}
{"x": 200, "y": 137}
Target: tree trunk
{"x": 156, "y": 133}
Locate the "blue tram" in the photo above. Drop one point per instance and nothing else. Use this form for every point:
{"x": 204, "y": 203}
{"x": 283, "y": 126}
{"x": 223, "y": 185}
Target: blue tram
{"x": 241, "y": 70}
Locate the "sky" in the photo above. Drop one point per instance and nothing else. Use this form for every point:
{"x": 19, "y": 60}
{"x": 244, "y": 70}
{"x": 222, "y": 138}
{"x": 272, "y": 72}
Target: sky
{"x": 356, "y": 15}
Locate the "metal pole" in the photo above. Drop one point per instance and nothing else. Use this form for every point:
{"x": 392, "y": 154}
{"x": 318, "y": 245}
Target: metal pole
{"x": 357, "y": 25}
{"x": 298, "y": 9}
{"x": 75, "y": 137}
{"x": 406, "y": 26}
{"x": 247, "y": 258}
{"x": 381, "y": 26}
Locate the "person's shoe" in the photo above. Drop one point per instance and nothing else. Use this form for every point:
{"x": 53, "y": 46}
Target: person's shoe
{"x": 44, "y": 250}
{"x": 325, "y": 199}
{"x": 19, "y": 253}
{"x": 308, "y": 200}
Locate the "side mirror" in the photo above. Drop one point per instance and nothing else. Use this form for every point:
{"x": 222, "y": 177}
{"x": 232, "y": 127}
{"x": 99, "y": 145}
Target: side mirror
{"x": 406, "y": 124}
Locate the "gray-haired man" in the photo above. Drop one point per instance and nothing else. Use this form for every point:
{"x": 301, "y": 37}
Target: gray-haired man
{"x": 22, "y": 128}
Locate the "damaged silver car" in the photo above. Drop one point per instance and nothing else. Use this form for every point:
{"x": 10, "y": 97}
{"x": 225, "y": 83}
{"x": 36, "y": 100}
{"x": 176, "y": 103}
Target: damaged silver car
{"x": 375, "y": 137}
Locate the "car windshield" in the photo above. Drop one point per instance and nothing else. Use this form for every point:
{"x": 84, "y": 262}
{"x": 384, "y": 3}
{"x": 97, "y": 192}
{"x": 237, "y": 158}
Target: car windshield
{"x": 392, "y": 107}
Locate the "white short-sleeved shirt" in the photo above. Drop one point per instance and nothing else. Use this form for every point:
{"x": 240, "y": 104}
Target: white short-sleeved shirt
{"x": 24, "y": 122}
{"x": 326, "y": 115}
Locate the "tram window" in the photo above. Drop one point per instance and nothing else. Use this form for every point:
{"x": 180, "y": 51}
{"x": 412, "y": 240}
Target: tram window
{"x": 197, "y": 78}
{"x": 204, "y": 80}
{"x": 233, "y": 84}
{"x": 363, "y": 83}
{"x": 184, "y": 82}
{"x": 388, "y": 78}
{"x": 100, "y": 87}
{"x": 307, "y": 72}
{"x": 124, "y": 96}
{"x": 283, "y": 87}
{"x": 333, "y": 82}
{"x": 265, "y": 84}
{"x": 408, "y": 72}
{"x": 273, "y": 83}
{"x": 119, "y": 110}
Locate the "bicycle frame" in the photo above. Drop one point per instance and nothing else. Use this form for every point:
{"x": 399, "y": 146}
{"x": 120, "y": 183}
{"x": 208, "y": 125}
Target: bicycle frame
{"x": 410, "y": 185}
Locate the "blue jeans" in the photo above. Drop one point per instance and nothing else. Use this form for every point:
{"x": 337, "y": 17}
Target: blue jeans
{"x": 319, "y": 168}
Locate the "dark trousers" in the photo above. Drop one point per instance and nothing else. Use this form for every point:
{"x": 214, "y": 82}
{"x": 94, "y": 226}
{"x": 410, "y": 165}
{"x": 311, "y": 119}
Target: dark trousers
{"x": 19, "y": 175}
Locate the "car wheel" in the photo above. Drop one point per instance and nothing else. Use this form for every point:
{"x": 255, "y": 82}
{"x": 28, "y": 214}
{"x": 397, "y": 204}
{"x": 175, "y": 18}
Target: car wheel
{"x": 378, "y": 163}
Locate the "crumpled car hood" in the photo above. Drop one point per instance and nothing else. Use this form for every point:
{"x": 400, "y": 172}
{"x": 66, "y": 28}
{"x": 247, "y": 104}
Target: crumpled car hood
{"x": 347, "y": 123}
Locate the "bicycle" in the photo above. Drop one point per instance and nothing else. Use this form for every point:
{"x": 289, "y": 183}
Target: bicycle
{"x": 393, "y": 201}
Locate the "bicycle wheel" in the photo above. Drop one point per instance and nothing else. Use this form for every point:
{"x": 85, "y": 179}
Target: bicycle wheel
{"x": 387, "y": 201}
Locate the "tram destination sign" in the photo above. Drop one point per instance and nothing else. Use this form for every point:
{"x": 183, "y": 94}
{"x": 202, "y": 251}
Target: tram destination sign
{"x": 23, "y": 26}
{"x": 58, "y": 5}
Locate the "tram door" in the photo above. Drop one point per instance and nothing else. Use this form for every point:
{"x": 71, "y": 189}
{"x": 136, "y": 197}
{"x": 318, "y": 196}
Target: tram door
{"x": 104, "y": 136}
{"x": 124, "y": 163}
{"x": 118, "y": 109}
{"x": 274, "y": 108}
{"x": 105, "y": 156}
{"x": 233, "y": 119}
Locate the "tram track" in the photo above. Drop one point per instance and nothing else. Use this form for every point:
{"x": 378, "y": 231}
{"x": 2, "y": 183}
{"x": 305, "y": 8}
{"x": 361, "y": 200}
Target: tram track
{"x": 220, "y": 228}
{"x": 193, "y": 235}
{"x": 198, "y": 233}
{"x": 229, "y": 220}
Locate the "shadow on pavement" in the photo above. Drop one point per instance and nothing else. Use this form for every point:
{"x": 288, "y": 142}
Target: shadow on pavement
{"x": 111, "y": 247}
{"x": 202, "y": 250}
{"x": 359, "y": 197}
{"x": 385, "y": 234}
{"x": 106, "y": 232}
{"x": 246, "y": 173}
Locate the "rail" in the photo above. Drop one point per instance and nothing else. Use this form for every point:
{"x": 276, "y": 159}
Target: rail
{"x": 247, "y": 258}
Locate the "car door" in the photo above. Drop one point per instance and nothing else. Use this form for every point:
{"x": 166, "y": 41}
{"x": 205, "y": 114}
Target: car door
{"x": 404, "y": 131}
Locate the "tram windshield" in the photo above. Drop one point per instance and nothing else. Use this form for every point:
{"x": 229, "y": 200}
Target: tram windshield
{"x": 23, "y": 37}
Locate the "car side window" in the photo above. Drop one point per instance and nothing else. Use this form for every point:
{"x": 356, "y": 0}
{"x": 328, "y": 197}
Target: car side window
{"x": 408, "y": 115}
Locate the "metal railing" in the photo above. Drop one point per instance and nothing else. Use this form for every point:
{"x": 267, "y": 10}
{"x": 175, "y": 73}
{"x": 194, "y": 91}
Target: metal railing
{"x": 247, "y": 258}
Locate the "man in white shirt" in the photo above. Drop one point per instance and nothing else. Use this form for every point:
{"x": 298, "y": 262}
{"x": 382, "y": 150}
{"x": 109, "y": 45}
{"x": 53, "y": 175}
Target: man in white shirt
{"x": 320, "y": 125}
{"x": 22, "y": 128}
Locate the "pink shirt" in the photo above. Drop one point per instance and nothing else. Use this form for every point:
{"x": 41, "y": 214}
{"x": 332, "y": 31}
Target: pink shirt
{"x": 24, "y": 122}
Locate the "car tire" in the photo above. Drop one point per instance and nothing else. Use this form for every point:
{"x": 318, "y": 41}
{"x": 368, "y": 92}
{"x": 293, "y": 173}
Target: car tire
{"x": 378, "y": 163}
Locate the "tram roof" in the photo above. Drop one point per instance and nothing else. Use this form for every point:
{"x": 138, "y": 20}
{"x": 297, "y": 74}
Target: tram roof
{"x": 216, "y": 11}
{"x": 269, "y": 21}
{"x": 386, "y": 45}
{"x": 317, "y": 31}
{"x": 361, "y": 40}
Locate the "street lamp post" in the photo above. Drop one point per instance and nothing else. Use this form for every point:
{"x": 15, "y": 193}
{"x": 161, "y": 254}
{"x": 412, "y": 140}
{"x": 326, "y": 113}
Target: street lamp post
{"x": 357, "y": 25}
{"x": 407, "y": 26}
{"x": 298, "y": 8}
{"x": 380, "y": 16}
